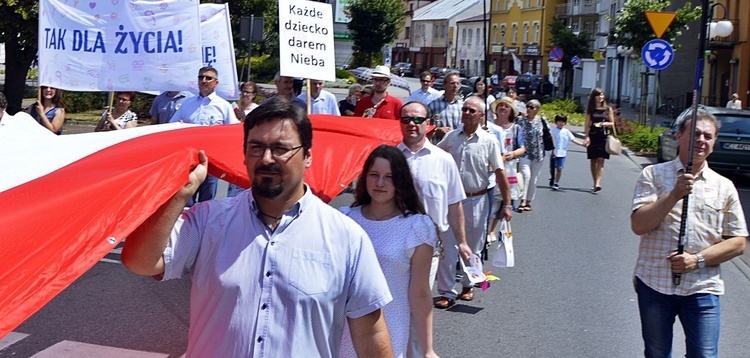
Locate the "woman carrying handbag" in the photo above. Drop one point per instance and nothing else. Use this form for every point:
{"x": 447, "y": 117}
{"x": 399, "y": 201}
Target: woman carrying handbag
{"x": 599, "y": 116}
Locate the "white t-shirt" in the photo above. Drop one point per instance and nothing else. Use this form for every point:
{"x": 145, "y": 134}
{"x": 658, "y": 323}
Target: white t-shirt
{"x": 562, "y": 139}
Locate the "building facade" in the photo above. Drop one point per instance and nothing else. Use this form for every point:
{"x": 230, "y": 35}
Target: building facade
{"x": 470, "y": 45}
{"x": 519, "y": 29}
{"x": 433, "y": 30}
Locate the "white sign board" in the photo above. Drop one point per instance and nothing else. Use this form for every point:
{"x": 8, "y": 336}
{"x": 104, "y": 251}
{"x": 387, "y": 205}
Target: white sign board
{"x": 341, "y": 11}
{"x": 306, "y": 40}
{"x": 119, "y": 45}
{"x": 218, "y": 49}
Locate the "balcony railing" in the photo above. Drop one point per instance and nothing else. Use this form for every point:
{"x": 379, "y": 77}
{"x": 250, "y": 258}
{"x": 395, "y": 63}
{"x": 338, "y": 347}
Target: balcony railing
{"x": 577, "y": 8}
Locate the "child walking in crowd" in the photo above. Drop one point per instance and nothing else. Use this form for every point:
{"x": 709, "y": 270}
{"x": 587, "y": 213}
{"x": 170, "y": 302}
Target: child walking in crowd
{"x": 563, "y": 137}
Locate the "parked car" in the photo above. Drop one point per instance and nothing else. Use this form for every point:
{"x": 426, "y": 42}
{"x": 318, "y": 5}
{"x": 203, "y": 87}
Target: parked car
{"x": 440, "y": 71}
{"x": 507, "y": 83}
{"x": 403, "y": 69}
{"x": 732, "y": 147}
{"x": 533, "y": 86}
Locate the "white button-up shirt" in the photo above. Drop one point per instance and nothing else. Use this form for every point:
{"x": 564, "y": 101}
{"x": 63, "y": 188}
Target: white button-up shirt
{"x": 208, "y": 111}
{"x": 437, "y": 181}
{"x": 262, "y": 293}
{"x": 474, "y": 156}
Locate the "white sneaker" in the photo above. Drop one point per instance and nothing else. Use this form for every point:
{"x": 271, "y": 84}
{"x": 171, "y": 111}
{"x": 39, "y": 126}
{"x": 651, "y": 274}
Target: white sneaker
{"x": 491, "y": 237}
{"x": 556, "y": 187}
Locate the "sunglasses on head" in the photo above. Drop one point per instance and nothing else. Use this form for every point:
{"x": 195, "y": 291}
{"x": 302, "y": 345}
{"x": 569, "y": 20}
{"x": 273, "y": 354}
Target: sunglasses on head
{"x": 416, "y": 120}
{"x": 468, "y": 109}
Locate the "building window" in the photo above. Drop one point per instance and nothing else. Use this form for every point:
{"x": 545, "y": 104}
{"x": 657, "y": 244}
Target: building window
{"x": 514, "y": 39}
{"x": 502, "y": 34}
{"x": 536, "y": 32}
{"x": 442, "y": 31}
{"x": 470, "y": 36}
{"x": 407, "y": 34}
{"x": 528, "y": 4}
{"x": 480, "y": 38}
{"x": 463, "y": 37}
{"x": 525, "y": 32}
{"x": 494, "y": 34}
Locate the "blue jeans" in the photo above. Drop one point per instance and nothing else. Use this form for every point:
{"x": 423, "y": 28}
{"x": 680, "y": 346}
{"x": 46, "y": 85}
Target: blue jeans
{"x": 699, "y": 315}
{"x": 206, "y": 191}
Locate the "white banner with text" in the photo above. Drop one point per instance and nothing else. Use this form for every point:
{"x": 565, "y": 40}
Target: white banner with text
{"x": 119, "y": 45}
{"x": 306, "y": 40}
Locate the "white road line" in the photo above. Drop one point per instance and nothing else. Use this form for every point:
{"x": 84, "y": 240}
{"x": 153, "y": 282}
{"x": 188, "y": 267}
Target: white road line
{"x": 68, "y": 349}
{"x": 104, "y": 259}
{"x": 11, "y": 338}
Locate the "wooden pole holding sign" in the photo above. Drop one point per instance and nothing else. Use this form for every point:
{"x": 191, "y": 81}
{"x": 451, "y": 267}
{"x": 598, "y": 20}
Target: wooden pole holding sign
{"x": 309, "y": 97}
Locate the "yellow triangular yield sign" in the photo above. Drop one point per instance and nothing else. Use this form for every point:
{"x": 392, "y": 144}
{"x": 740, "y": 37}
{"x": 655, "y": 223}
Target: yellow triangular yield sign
{"x": 660, "y": 21}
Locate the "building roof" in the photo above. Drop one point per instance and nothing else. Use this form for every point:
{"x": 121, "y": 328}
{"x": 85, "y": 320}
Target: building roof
{"x": 443, "y": 9}
{"x": 477, "y": 18}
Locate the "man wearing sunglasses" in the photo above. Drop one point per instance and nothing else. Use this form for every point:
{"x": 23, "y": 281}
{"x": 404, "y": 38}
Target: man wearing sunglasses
{"x": 380, "y": 104}
{"x": 437, "y": 178}
{"x": 474, "y": 150}
{"x": 206, "y": 109}
{"x": 426, "y": 93}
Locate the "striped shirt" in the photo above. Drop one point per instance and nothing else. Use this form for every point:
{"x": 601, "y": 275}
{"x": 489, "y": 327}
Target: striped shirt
{"x": 714, "y": 212}
{"x": 446, "y": 113}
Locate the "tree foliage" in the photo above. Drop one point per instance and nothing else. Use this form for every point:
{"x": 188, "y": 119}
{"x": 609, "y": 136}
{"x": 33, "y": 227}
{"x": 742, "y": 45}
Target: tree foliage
{"x": 374, "y": 23}
{"x": 572, "y": 44}
{"x": 633, "y": 30}
{"x": 19, "y": 21}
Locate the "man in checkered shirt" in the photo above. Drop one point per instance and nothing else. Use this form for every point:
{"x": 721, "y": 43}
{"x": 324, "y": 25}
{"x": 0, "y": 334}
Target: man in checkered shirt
{"x": 715, "y": 233}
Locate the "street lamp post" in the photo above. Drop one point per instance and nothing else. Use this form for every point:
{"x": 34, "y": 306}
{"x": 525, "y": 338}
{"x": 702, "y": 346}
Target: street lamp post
{"x": 502, "y": 54}
{"x": 721, "y": 28}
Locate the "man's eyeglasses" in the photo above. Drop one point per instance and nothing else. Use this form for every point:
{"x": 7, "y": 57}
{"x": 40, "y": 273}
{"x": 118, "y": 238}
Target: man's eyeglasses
{"x": 248, "y": 92}
{"x": 468, "y": 109}
{"x": 277, "y": 151}
{"x": 380, "y": 79}
{"x": 425, "y": 81}
{"x": 207, "y": 78}
{"x": 416, "y": 120}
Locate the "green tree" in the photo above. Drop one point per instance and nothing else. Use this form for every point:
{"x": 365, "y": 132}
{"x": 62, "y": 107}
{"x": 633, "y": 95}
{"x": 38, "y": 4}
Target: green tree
{"x": 572, "y": 44}
{"x": 374, "y": 23}
{"x": 19, "y": 21}
{"x": 632, "y": 28}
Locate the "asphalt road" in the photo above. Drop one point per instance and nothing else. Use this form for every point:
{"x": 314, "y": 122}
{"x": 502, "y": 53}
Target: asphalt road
{"x": 570, "y": 294}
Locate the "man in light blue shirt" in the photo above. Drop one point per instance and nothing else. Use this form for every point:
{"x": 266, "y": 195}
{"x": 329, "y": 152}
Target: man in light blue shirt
{"x": 284, "y": 86}
{"x": 206, "y": 109}
{"x": 275, "y": 271}
{"x": 426, "y": 93}
{"x": 323, "y": 102}
{"x": 166, "y": 104}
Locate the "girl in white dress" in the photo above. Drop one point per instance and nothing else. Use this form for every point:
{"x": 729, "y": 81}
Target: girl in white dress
{"x": 388, "y": 208}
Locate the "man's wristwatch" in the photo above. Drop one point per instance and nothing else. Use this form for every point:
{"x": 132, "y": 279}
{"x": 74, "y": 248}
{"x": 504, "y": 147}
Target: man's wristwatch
{"x": 701, "y": 260}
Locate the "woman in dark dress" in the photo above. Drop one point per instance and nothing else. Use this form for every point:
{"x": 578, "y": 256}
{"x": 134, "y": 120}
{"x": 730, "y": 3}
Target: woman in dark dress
{"x": 599, "y": 116}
